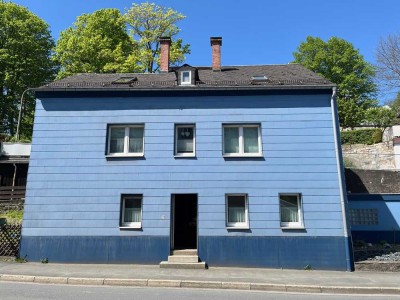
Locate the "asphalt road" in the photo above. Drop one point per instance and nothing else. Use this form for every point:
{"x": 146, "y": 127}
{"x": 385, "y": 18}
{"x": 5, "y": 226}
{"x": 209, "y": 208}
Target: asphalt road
{"x": 16, "y": 291}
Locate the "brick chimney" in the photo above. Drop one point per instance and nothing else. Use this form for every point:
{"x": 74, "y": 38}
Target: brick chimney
{"x": 165, "y": 43}
{"x": 216, "y": 43}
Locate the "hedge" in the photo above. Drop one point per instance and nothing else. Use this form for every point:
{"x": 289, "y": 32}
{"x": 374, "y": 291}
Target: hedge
{"x": 361, "y": 136}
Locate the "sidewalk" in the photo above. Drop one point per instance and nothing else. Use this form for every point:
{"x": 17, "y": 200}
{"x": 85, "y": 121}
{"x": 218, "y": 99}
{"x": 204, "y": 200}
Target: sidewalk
{"x": 230, "y": 278}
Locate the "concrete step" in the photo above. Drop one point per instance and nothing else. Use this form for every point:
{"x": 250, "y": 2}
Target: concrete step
{"x": 176, "y": 265}
{"x": 185, "y": 252}
{"x": 183, "y": 258}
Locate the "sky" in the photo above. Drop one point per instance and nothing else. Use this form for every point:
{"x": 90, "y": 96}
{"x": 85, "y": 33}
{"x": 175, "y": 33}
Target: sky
{"x": 253, "y": 32}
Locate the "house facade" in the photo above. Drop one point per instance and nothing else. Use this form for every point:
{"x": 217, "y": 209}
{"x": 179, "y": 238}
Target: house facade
{"x": 239, "y": 163}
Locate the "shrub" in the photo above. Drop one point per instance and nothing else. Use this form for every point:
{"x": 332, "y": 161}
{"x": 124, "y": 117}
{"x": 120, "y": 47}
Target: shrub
{"x": 12, "y": 216}
{"x": 361, "y": 136}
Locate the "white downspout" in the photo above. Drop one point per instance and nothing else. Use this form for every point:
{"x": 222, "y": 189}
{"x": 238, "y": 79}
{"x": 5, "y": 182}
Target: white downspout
{"x": 342, "y": 189}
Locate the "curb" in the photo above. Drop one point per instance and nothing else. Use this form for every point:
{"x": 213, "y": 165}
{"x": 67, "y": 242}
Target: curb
{"x": 269, "y": 287}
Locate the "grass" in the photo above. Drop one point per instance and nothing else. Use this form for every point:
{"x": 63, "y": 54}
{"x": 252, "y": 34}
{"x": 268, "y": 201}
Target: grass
{"x": 12, "y": 216}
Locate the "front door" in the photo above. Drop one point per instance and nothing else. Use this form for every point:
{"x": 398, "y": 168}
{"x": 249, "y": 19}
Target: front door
{"x": 184, "y": 221}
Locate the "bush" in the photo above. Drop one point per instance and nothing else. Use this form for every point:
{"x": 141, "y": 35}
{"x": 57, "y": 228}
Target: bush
{"x": 12, "y": 216}
{"x": 361, "y": 136}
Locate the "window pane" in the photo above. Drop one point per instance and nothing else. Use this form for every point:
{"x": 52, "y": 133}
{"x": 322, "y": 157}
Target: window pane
{"x": 289, "y": 208}
{"x": 117, "y": 140}
{"x": 231, "y": 140}
{"x": 136, "y": 140}
{"x": 132, "y": 210}
{"x": 184, "y": 139}
{"x": 250, "y": 137}
{"x": 186, "y": 77}
{"x": 236, "y": 209}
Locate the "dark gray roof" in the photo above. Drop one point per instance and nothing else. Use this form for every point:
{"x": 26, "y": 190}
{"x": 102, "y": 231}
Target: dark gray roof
{"x": 287, "y": 76}
{"x": 372, "y": 181}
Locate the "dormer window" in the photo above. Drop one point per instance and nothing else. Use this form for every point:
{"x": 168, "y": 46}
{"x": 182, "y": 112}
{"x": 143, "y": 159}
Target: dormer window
{"x": 186, "y": 77}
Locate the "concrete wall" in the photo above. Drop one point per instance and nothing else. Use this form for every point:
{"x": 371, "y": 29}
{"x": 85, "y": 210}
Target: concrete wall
{"x": 74, "y": 192}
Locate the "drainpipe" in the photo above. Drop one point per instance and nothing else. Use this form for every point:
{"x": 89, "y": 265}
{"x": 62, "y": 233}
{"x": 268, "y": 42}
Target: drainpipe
{"x": 342, "y": 184}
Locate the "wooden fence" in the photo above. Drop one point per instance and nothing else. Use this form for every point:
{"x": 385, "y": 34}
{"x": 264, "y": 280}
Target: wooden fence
{"x": 10, "y": 236}
{"x": 12, "y": 197}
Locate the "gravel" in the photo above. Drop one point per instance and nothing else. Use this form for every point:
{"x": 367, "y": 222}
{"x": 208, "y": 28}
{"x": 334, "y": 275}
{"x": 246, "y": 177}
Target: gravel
{"x": 393, "y": 256}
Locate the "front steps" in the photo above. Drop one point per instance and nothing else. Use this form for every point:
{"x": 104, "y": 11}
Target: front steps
{"x": 183, "y": 259}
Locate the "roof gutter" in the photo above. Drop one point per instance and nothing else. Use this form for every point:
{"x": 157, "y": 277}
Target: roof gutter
{"x": 342, "y": 184}
{"x": 191, "y": 88}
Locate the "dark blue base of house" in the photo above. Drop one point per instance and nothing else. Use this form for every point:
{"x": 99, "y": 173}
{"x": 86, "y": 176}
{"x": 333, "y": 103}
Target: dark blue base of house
{"x": 392, "y": 236}
{"x": 326, "y": 253}
{"x": 93, "y": 249}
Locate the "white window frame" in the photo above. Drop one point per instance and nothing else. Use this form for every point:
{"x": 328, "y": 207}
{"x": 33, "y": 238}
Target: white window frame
{"x": 134, "y": 225}
{"x": 237, "y": 225}
{"x": 190, "y": 78}
{"x": 176, "y": 140}
{"x": 126, "y": 153}
{"x": 241, "y": 152}
{"x": 292, "y": 225}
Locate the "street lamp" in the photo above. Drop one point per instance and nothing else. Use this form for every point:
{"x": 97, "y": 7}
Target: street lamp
{"x": 20, "y": 112}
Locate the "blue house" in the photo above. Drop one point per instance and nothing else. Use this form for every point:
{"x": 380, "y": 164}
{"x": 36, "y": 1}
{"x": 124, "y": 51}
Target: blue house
{"x": 240, "y": 164}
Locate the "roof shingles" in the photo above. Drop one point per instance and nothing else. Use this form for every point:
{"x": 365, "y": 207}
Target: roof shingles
{"x": 290, "y": 75}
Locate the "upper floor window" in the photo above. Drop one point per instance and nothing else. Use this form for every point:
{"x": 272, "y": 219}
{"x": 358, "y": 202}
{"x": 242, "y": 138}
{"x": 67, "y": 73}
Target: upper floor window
{"x": 242, "y": 140}
{"x": 125, "y": 140}
{"x": 291, "y": 210}
{"x": 185, "y": 137}
{"x": 186, "y": 77}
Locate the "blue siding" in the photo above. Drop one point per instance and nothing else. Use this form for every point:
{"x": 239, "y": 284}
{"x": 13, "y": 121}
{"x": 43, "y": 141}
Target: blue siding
{"x": 289, "y": 252}
{"x": 145, "y": 250}
{"x": 74, "y": 191}
{"x": 388, "y": 227}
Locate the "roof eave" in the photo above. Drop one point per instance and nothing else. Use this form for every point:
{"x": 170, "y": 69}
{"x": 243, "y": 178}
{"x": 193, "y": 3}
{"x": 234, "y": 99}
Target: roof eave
{"x": 187, "y": 88}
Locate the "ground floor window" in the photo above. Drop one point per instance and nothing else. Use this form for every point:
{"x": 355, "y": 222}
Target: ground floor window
{"x": 237, "y": 211}
{"x": 131, "y": 211}
{"x": 290, "y": 208}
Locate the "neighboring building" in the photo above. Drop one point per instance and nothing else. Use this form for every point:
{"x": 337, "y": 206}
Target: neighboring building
{"x": 240, "y": 163}
{"x": 374, "y": 202}
{"x": 396, "y": 145}
{"x": 14, "y": 161}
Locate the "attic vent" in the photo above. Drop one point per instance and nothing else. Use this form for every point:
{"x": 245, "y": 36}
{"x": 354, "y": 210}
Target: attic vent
{"x": 259, "y": 78}
{"x": 125, "y": 80}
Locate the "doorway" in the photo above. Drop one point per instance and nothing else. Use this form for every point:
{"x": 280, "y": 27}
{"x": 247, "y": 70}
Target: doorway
{"x": 184, "y": 221}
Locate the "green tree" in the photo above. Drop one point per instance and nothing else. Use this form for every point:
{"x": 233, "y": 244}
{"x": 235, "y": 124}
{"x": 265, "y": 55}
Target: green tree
{"x": 380, "y": 117}
{"x": 147, "y": 22}
{"x": 25, "y": 50}
{"x": 338, "y": 61}
{"x": 96, "y": 42}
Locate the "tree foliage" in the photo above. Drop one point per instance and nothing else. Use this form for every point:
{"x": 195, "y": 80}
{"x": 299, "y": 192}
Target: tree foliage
{"x": 25, "y": 49}
{"x": 338, "y": 61}
{"x": 147, "y": 22}
{"x": 388, "y": 60}
{"x": 380, "y": 117}
{"x": 98, "y": 43}
{"x": 108, "y": 42}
